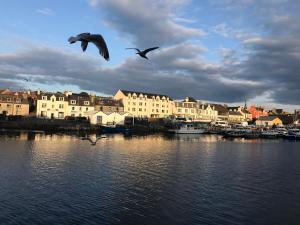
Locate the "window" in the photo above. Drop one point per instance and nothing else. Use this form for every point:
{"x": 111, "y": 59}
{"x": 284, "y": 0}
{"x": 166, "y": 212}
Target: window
{"x": 52, "y": 99}
{"x": 145, "y": 103}
{"x": 179, "y": 110}
{"x": 60, "y": 99}
{"x": 163, "y": 111}
{"x": 157, "y": 110}
{"x": 18, "y": 100}
{"x": 133, "y": 103}
{"x": 144, "y": 110}
{"x": 73, "y": 108}
{"x": 140, "y": 109}
{"x": 73, "y": 102}
{"x": 8, "y": 99}
{"x": 157, "y": 105}
{"x": 61, "y": 106}
{"x": 128, "y": 109}
{"x": 18, "y": 106}
{"x": 86, "y": 109}
{"x": 44, "y": 97}
{"x": 73, "y": 115}
{"x": 140, "y": 103}
{"x": 133, "y": 109}
{"x": 134, "y": 97}
{"x": 44, "y": 105}
{"x": 79, "y": 108}
{"x": 86, "y": 102}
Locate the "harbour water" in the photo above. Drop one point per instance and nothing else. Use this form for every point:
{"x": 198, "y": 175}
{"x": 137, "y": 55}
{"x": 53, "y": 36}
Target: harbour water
{"x": 149, "y": 180}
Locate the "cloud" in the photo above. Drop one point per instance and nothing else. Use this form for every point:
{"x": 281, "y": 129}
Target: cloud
{"x": 45, "y": 12}
{"x": 178, "y": 71}
{"x": 147, "y": 23}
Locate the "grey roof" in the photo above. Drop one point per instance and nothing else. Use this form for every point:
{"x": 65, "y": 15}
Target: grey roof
{"x": 267, "y": 118}
{"x": 222, "y": 110}
{"x": 13, "y": 99}
{"x": 149, "y": 95}
{"x": 235, "y": 113}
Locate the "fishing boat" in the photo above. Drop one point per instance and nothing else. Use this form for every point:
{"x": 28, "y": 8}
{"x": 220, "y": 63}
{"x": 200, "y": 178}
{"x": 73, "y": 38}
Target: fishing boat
{"x": 187, "y": 129}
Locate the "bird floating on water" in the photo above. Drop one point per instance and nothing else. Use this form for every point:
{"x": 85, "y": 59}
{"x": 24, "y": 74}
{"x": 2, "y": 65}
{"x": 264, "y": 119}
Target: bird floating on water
{"x": 144, "y": 52}
{"x": 96, "y": 39}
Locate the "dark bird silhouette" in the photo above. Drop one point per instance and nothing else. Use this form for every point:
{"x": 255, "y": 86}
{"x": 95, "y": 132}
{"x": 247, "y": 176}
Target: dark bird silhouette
{"x": 144, "y": 52}
{"x": 26, "y": 79}
{"x": 96, "y": 39}
{"x": 92, "y": 141}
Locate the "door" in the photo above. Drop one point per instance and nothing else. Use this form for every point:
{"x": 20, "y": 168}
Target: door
{"x": 99, "y": 119}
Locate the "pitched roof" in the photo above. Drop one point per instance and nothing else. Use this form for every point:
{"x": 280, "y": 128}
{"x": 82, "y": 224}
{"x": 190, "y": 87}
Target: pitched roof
{"x": 267, "y": 118}
{"x": 235, "y": 113}
{"x": 222, "y": 110}
{"x": 149, "y": 95}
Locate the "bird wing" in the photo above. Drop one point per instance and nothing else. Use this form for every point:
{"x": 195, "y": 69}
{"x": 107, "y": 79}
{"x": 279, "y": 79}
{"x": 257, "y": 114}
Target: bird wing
{"x": 150, "y": 49}
{"x": 135, "y": 49}
{"x": 72, "y": 39}
{"x": 99, "y": 41}
{"x": 84, "y": 45}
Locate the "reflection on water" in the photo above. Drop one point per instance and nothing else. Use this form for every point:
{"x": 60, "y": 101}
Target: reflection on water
{"x": 184, "y": 179}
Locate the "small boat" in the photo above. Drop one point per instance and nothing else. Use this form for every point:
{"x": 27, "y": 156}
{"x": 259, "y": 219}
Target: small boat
{"x": 269, "y": 134}
{"x": 252, "y": 134}
{"x": 235, "y": 134}
{"x": 187, "y": 129}
{"x": 292, "y": 135}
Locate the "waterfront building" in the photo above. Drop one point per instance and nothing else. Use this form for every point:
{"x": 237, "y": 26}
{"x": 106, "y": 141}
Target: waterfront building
{"x": 247, "y": 116}
{"x": 107, "y": 118}
{"x": 222, "y": 110}
{"x": 207, "y": 112}
{"x": 235, "y": 117}
{"x": 52, "y": 105}
{"x": 11, "y": 104}
{"x": 79, "y": 105}
{"x": 108, "y": 104}
{"x": 257, "y": 112}
{"x": 147, "y": 105}
{"x": 268, "y": 121}
{"x": 188, "y": 108}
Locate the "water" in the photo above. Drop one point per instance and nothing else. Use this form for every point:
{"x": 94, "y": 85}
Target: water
{"x": 149, "y": 180}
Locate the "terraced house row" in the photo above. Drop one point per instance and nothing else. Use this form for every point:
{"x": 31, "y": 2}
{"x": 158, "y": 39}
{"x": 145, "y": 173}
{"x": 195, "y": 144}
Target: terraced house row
{"x": 130, "y": 103}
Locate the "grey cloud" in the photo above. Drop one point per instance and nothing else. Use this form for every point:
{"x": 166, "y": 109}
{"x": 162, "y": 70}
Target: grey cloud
{"x": 145, "y": 22}
{"x": 175, "y": 75}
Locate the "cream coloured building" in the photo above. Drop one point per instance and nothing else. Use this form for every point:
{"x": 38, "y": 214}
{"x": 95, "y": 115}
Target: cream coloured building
{"x": 207, "y": 112}
{"x": 192, "y": 109}
{"x": 79, "y": 105}
{"x": 148, "y": 105}
{"x": 11, "y": 104}
{"x": 188, "y": 108}
{"x": 52, "y": 105}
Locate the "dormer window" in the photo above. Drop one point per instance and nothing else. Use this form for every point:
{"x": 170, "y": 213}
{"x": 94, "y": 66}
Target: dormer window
{"x": 61, "y": 98}
{"x": 44, "y": 97}
{"x": 86, "y": 102}
{"x": 73, "y": 102}
{"x": 18, "y": 100}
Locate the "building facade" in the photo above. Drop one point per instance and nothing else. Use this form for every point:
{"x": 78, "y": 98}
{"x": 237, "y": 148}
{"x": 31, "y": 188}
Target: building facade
{"x": 268, "y": 121}
{"x": 188, "y": 108}
{"x": 108, "y": 104}
{"x": 147, "y": 105}
{"x": 79, "y": 105}
{"x": 13, "y": 105}
{"x": 257, "y": 112}
{"x": 52, "y": 105}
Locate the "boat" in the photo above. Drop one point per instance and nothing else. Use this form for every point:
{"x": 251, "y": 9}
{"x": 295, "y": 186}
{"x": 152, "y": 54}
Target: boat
{"x": 293, "y": 134}
{"x": 252, "y": 134}
{"x": 187, "y": 129}
{"x": 269, "y": 134}
{"x": 235, "y": 134}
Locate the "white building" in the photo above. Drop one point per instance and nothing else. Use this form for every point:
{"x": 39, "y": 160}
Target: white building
{"x": 50, "y": 105}
{"x": 107, "y": 118}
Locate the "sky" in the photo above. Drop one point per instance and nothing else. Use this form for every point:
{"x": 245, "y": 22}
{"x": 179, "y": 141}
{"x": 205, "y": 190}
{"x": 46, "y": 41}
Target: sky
{"x": 213, "y": 50}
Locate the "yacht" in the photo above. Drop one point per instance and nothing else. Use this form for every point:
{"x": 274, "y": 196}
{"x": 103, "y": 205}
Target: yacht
{"x": 188, "y": 129}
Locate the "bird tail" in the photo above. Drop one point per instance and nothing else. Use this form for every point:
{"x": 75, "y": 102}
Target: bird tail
{"x": 72, "y": 40}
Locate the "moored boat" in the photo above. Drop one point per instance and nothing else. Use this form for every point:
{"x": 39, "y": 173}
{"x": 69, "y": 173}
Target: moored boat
{"x": 187, "y": 129}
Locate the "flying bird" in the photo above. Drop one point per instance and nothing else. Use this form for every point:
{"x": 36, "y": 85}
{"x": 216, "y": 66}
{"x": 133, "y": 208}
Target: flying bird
{"x": 144, "y": 52}
{"x": 96, "y": 39}
{"x": 92, "y": 141}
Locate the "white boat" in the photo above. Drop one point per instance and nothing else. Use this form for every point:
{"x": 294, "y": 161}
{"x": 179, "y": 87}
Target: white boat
{"x": 187, "y": 129}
